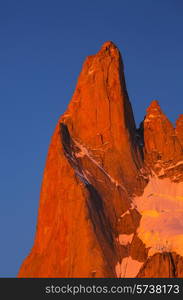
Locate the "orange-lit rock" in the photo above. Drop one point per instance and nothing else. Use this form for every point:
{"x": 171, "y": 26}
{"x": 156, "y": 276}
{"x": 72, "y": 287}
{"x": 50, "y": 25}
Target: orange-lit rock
{"x": 159, "y": 135}
{"x": 179, "y": 129}
{"x": 90, "y": 220}
{"x": 163, "y": 149}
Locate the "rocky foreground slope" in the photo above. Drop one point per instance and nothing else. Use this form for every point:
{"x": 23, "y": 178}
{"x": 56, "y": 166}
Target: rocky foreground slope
{"x": 112, "y": 195}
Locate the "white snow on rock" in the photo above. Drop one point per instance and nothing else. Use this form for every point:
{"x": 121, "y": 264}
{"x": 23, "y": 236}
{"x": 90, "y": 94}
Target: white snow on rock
{"x": 161, "y": 207}
{"x": 163, "y": 169}
{"x": 84, "y": 152}
{"x": 176, "y": 165}
{"x": 127, "y": 212}
{"x": 128, "y": 268}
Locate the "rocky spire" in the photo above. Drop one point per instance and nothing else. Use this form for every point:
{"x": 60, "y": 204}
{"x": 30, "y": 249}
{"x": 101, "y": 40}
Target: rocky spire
{"x": 101, "y": 199}
{"x": 161, "y": 143}
{"x": 91, "y": 149}
{"x": 100, "y": 114}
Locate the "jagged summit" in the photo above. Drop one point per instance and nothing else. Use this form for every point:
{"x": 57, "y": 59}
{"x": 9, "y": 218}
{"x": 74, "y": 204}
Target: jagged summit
{"x": 109, "y": 48}
{"x": 154, "y": 106}
{"x": 109, "y": 45}
{"x": 110, "y": 202}
{"x": 100, "y": 114}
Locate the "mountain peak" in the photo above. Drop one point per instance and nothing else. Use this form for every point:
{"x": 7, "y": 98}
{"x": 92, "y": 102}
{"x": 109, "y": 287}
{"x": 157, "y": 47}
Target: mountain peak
{"x": 100, "y": 112}
{"x": 110, "y": 197}
{"x": 154, "y": 107}
{"x": 108, "y": 45}
{"x": 162, "y": 141}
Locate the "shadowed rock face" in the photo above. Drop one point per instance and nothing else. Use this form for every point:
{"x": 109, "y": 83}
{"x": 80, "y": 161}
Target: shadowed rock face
{"x": 99, "y": 193}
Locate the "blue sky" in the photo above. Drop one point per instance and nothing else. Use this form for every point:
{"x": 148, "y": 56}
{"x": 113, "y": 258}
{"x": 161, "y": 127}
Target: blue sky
{"x": 42, "y": 47}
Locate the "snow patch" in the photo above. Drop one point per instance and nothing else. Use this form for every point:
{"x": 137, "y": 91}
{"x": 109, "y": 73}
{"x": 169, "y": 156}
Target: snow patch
{"x": 161, "y": 172}
{"x": 83, "y": 151}
{"x": 161, "y": 207}
{"x": 176, "y": 165}
{"x": 125, "y": 213}
{"x": 163, "y": 169}
{"x": 128, "y": 268}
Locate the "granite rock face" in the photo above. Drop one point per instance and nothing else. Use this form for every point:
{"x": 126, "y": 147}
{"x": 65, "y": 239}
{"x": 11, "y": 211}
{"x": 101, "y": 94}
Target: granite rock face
{"x": 108, "y": 186}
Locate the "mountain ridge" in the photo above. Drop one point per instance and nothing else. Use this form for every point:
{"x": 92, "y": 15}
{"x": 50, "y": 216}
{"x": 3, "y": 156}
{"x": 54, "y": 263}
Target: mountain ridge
{"x": 104, "y": 185}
